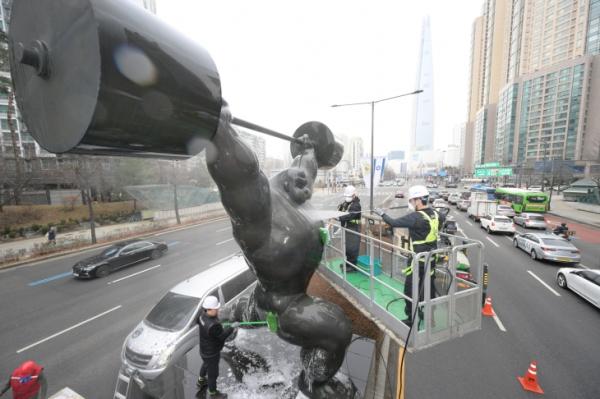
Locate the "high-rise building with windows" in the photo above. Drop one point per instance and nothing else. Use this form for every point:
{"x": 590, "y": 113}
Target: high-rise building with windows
{"x": 549, "y": 84}
{"x": 489, "y": 49}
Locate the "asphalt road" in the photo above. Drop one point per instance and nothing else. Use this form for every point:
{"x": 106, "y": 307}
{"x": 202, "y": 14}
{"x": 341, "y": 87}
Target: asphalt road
{"x": 40, "y": 300}
{"x": 559, "y": 331}
{"x": 76, "y": 328}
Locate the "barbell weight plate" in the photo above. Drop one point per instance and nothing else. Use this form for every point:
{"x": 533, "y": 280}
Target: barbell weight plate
{"x": 120, "y": 81}
{"x": 328, "y": 150}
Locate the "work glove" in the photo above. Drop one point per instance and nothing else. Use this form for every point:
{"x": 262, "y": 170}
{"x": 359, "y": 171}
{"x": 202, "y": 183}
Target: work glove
{"x": 235, "y": 324}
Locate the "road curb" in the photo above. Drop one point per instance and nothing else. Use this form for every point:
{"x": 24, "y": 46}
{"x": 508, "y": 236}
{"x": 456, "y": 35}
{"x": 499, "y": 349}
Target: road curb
{"x": 104, "y": 244}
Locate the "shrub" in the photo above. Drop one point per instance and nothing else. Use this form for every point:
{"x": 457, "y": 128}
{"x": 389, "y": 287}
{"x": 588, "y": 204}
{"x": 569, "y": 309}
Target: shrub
{"x": 22, "y": 231}
{"x": 35, "y": 227}
{"x": 12, "y": 234}
{"x": 44, "y": 230}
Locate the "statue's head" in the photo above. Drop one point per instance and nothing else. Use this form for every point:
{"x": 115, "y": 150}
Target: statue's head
{"x": 297, "y": 185}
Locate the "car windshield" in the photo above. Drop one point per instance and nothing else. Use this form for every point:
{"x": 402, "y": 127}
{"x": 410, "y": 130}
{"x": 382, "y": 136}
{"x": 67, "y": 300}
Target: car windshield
{"x": 502, "y": 219}
{"x": 539, "y": 218}
{"x": 172, "y": 312}
{"x": 110, "y": 251}
{"x": 555, "y": 242}
{"x": 504, "y": 208}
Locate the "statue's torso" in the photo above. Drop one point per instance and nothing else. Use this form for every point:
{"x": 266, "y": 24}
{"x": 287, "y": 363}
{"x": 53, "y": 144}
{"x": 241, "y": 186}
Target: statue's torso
{"x": 292, "y": 251}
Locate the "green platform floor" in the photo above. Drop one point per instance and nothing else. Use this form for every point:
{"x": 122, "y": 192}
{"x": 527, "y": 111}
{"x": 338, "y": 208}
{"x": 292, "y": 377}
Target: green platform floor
{"x": 383, "y": 295}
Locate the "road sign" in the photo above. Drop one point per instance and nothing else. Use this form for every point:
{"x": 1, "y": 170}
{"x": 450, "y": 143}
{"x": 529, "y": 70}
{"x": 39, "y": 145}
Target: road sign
{"x": 493, "y": 172}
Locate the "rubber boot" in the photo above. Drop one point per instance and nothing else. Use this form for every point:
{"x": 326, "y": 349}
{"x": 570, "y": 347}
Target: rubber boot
{"x": 202, "y": 382}
{"x": 217, "y": 395}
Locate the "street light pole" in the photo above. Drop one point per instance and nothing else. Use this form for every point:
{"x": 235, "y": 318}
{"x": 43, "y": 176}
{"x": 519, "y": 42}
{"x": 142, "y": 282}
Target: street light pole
{"x": 372, "y": 104}
{"x": 372, "y": 156}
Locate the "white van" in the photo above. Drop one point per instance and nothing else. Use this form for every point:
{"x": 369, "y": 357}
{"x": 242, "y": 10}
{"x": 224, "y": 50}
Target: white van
{"x": 170, "y": 329}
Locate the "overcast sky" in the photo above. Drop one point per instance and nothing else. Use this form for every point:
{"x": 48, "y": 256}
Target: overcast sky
{"x": 283, "y": 63}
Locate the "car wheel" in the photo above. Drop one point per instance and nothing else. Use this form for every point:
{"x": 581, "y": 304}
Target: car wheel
{"x": 515, "y": 243}
{"x": 488, "y": 230}
{"x": 102, "y": 271}
{"x": 533, "y": 255}
{"x": 156, "y": 254}
{"x": 561, "y": 280}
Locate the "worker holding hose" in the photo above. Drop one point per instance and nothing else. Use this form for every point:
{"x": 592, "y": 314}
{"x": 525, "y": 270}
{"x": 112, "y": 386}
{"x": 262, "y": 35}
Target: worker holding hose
{"x": 212, "y": 339}
{"x": 423, "y": 224}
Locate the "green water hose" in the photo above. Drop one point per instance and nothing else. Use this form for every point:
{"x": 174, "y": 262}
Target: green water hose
{"x": 271, "y": 322}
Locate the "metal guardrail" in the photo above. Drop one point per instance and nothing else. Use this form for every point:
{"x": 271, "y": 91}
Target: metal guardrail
{"x": 377, "y": 281}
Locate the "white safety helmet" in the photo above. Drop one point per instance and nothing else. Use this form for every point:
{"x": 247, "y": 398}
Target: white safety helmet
{"x": 349, "y": 192}
{"x": 211, "y": 302}
{"x": 417, "y": 192}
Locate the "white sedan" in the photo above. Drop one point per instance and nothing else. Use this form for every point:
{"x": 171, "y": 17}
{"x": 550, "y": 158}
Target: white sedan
{"x": 585, "y": 283}
{"x": 497, "y": 224}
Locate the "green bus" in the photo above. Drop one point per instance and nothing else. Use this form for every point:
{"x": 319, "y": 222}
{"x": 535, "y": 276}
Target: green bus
{"x": 522, "y": 200}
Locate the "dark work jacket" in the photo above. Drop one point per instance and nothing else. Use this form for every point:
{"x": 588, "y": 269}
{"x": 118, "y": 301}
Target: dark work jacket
{"x": 418, "y": 227}
{"x": 352, "y": 219}
{"x": 212, "y": 335}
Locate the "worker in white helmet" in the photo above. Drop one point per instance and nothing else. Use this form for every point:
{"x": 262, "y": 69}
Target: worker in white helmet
{"x": 423, "y": 225}
{"x": 351, "y": 221}
{"x": 212, "y": 340}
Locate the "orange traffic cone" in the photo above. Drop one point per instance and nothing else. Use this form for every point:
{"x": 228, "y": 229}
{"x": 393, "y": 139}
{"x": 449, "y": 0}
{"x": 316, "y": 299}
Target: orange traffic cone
{"x": 529, "y": 380}
{"x": 487, "y": 308}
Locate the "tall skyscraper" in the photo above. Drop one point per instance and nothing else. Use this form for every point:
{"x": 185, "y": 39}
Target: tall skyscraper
{"x": 422, "y": 139}
{"x": 550, "y": 84}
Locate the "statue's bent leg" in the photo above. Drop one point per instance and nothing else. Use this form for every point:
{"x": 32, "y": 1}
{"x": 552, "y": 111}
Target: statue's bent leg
{"x": 322, "y": 330}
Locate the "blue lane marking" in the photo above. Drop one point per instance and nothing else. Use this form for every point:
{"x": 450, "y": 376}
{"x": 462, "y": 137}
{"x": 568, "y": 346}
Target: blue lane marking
{"x": 172, "y": 244}
{"x": 48, "y": 279}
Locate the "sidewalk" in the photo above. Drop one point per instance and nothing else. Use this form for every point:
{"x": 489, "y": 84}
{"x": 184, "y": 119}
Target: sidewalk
{"x": 18, "y": 250}
{"x": 583, "y": 213}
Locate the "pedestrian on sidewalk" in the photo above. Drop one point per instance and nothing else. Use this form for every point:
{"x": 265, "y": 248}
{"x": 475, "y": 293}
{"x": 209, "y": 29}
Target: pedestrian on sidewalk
{"x": 27, "y": 382}
{"x": 52, "y": 235}
{"x": 212, "y": 340}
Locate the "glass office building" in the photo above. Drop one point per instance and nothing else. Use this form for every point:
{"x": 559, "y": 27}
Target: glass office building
{"x": 549, "y": 114}
{"x": 506, "y": 124}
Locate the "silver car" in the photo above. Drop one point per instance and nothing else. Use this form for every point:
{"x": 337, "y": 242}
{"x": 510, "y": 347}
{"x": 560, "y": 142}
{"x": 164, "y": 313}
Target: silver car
{"x": 505, "y": 210}
{"x": 463, "y": 205}
{"x": 546, "y": 246}
{"x": 531, "y": 220}
{"x": 585, "y": 283}
{"x": 171, "y": 328}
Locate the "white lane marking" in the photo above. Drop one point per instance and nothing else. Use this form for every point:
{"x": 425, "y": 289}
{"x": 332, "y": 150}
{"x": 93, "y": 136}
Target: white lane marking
{"x": 461, "y": 232}
{"x": 224, "y": 229}
{"x": 509, "y": 238}
{"x": 469, "y": 223}
{"x": 492, "y": 241}
{"x": 498, "y": 322}
{"x": 543, "y": 283}
{"x": 223, "y": 242}
{"x": 68, "y": 329}
{"x": 133, "y": 275}
{"x": 221, "y": 260}
{"x": 584, "y": 266}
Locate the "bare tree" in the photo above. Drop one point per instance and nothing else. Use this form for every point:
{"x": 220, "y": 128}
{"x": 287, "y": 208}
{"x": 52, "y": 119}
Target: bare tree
{"x": 85, "y": 174}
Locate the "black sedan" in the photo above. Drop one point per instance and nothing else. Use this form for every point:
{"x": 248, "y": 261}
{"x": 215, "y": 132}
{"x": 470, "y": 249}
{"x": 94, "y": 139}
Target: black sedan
{"x": 118, "y": 256}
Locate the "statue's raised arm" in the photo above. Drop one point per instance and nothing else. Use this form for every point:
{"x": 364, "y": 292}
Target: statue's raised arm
{"x": 244, "y": 188}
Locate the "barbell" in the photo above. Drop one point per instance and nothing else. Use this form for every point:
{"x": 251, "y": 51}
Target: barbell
{"x": 106, "y": 77}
